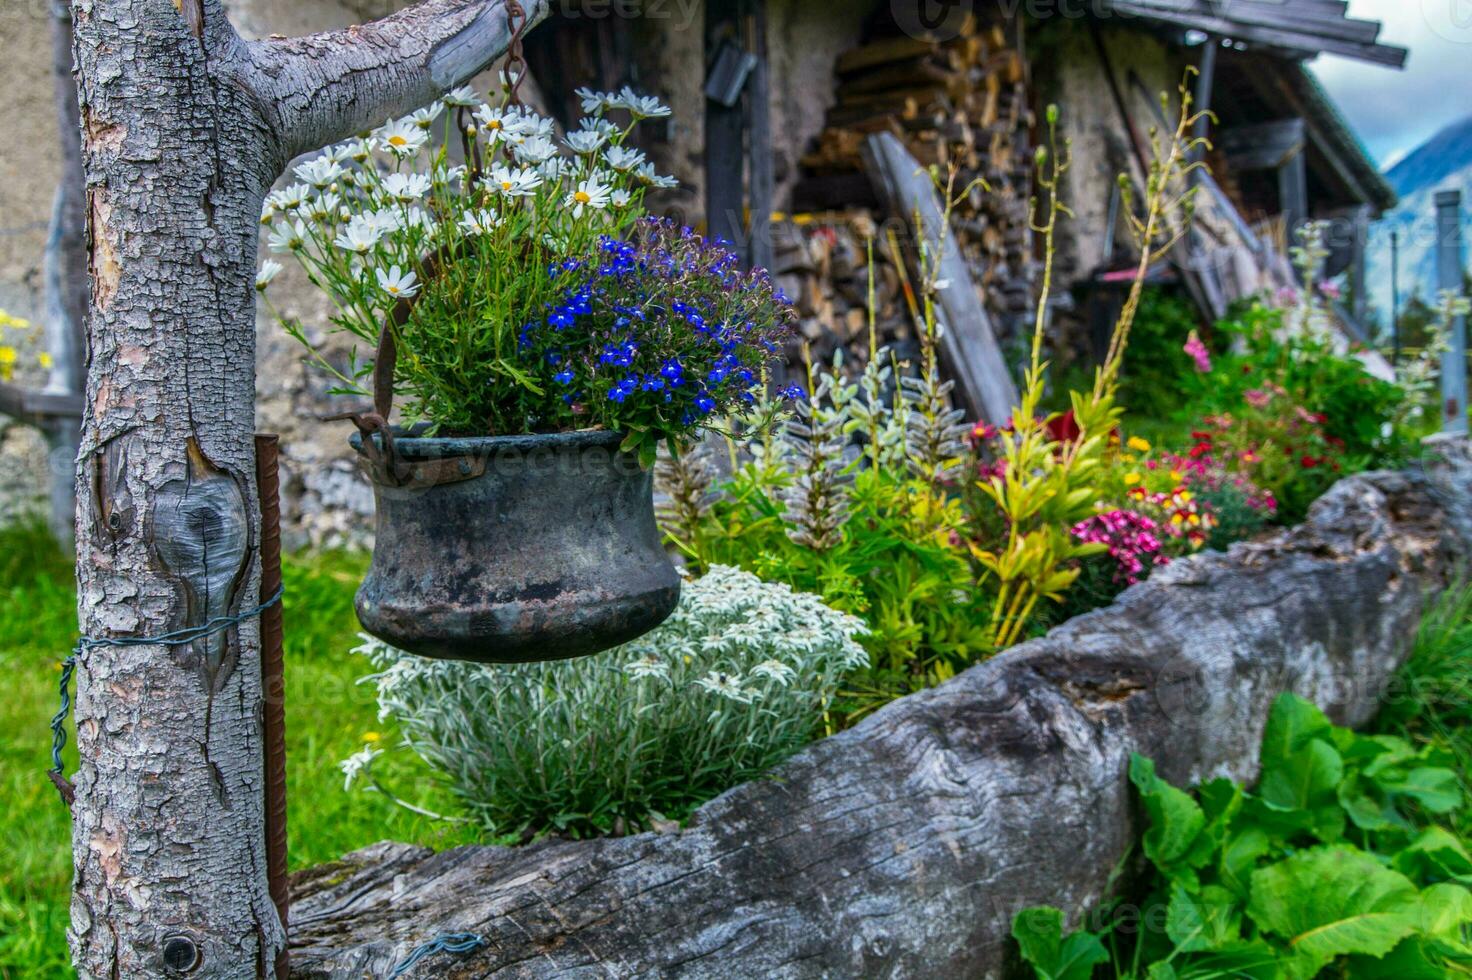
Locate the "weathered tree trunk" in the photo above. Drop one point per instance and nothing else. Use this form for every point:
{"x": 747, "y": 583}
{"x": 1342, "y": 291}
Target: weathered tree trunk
{"x": 903, "y": 847}
{"x": 185, "y": 126}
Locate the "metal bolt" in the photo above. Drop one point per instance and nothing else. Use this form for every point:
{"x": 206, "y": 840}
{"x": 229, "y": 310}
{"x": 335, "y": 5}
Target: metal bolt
{"x": 181, "y": 955}
{"x": 465, "y": 467}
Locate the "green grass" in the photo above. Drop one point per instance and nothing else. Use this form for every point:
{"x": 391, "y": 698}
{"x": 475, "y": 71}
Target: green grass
{"x": 327, "y": 716}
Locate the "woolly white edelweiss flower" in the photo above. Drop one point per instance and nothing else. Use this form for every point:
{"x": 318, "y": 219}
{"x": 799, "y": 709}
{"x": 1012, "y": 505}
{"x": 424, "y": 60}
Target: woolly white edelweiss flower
{"x": 479, "y": 222}
{"x": 595, "y": 103}
{"x": 402, "y": 137}
{"x": 623, "y": 158}
{"x": 290, "y": 237}
{"x": 646, "y": 174}
{"x": 397, "y": 283}
{"x": 463, "y": 97}
{"x": 591, "y": 193}
{"x": 406, "y": 188}
{"x": 535, "y": 150}
{"x": 361, "y": 234}
{"x": 520, "y": 182}
{"x": 585, "y": 141}
{"x": 640, "y": 106}
{"x": 424, "y": 118}
{"x": 358, "y": 764}
{"x": 776, "y": 671}
{"x": 726, "y": 686}
{"x": 320, "y": 172}
{"x": 647, "y": 666}
{"x": 270, "y": 269}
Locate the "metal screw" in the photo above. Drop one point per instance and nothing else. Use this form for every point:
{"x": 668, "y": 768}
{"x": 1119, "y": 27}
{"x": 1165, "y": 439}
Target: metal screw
{"x": 180, "y": 954}
{"x": 465, "y": 467}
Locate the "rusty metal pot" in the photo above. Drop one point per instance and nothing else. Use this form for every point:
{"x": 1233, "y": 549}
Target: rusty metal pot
{"x": 512, "y": 549}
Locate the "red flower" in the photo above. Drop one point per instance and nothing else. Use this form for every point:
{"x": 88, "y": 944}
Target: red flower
{"x": 1309, "y": 463}
{"x": 1064, "y": 428}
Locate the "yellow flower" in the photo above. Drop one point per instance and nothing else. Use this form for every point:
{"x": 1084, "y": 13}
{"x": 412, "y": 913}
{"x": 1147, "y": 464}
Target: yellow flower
{"x": 1130, "y": 479}
{"x": 1138, "y": 445}
{"x": 371, "y": 737}
{"x": 1185, "y": 496}
{"x": 7, "y": 362}
{"x": 45, "y": 360}
{"x": 1177, "y": 475}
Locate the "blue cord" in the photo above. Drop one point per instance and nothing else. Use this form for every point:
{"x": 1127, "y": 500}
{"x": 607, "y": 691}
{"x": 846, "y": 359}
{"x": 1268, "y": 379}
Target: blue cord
{"x": 447, "y": 942}
{"x": 176, "y": 638}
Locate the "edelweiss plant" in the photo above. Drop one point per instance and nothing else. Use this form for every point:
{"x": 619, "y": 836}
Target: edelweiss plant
{"x": 522, "y": 284}
{"x": 738, "y": 678}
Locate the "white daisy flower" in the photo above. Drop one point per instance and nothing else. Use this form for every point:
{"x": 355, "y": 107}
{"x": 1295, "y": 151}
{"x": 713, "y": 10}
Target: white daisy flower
{"x": 585, "y": 141}
{"x": 479, "y": 222}
{"x": 270, "y": 269}
{"x": 623, "y": 158}
{"x": 535, "y": 150}
{"x": 397, "y": 283}
{"x": 290, "y": 237}
{"x": 641, "y": 106}
{"x": 621, "y": 198}
{"x": 324, "y": 208}
{"x": 590, "y": 193}
{"x": 406, "y": 188}
{"x": 402, "y": 137}
{"x": 553, "y": 168}
{"x": 320, "y": 172}
{"x": 424, "y": 118}
{"x": 595, "y": 103}
{"x": 462, "y": 97}
{"x": 289, "y": 198}
{"x": 645, "y": 173}
{"x": 362, "y": 149}
{"x": 340, "y": 153}
{"x": 358, "y": 764}
{"x": 361, "y": 234}
{"x": 497, "y": 122}
{"x": 519, "y": 182}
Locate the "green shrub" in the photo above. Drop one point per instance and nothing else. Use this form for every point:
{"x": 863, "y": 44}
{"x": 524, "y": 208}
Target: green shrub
{"x": 1156, "y": 379}
{"x": 737, "y": 679}
{"x": 1335, "y": 862}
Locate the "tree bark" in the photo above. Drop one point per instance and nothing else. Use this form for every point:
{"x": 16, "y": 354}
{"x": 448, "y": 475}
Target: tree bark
{"x": 904, "y": 846}
{"x": 184, "y": 129}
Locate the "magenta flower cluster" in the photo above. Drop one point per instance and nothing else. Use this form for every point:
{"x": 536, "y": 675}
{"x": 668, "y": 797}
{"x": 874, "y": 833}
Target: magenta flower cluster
{"x": 1131, "y": 539}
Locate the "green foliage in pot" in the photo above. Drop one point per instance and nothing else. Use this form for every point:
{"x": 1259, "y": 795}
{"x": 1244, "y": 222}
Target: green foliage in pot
{"x": 524, "y": 287}
{"x": 737, "y": 679}
{"x": 1334, "y": 865}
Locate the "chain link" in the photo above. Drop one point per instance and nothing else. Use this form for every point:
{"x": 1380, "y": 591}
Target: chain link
{"x": 515, "y": 63}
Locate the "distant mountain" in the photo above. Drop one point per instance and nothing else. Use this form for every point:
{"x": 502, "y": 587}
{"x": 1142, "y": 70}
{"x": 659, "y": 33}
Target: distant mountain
{"x": 1443, "y": 162}
{"x": 1446, "y": 153}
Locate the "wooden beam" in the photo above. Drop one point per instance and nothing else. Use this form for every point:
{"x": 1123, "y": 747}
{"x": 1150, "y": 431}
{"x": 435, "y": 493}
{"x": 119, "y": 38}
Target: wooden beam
{"x": 759, "y": 151}
{"x": 1451, "y": 272}
{"x": 36, "y": 407}
{"x": 724, "y": 134}
{"x": 968, "y": 344}
{"x": 1263, "y": 146}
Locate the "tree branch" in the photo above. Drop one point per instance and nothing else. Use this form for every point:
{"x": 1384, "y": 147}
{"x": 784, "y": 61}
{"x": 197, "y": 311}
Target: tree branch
{"x": 321, "y": 88}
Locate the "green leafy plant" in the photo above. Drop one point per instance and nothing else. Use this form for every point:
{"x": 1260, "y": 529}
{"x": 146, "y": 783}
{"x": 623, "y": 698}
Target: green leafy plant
{"x": 1333, "y": 863}
{"x": 739, "y": 677}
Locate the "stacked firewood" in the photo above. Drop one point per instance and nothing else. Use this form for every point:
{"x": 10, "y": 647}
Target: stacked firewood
{"x": 823, "y": 265}
{"x": 962, "y": 103}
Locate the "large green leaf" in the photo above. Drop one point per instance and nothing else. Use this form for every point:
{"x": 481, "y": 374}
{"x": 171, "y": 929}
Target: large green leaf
{"x": 1435, "y": 789}
{"x": 1292, "y": 724}
{"x": 1435, "y": 855}
{"x": 1413, "y": 959}
{"x": 1331, "y": 902}
{"x": 1203, "y": 922}
{"x": 1039, "y": 934}
{"x": 1174, "y": 840}
{"x": 1239, "y": 858}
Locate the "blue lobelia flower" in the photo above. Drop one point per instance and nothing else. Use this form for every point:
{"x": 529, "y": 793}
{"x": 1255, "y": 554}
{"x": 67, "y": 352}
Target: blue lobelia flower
{"x": 563, "y": 377}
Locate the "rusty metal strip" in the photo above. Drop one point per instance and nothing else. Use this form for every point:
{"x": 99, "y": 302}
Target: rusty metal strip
{"x": 273, "y": 680}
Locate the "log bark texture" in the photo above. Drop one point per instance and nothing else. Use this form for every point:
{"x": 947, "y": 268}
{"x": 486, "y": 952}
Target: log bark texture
{"x": 184, "y": 128}
{"x": 903, "y": 847}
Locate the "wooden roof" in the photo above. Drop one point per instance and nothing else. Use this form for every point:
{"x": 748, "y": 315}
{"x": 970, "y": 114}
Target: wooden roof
{"x": 1298, "y": 28}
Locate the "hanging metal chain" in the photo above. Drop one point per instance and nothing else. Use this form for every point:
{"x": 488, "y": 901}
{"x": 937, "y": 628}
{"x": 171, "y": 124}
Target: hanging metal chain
{"x": 515, "y": 64}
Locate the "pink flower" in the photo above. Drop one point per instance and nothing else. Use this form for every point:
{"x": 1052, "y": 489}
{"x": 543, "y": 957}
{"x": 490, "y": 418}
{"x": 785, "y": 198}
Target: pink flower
{"x": 1288, "y": 297}
{"x": 1330, "y": 290}
{"x": 1199, "y": 353}
{"x": 1257, "y": 398}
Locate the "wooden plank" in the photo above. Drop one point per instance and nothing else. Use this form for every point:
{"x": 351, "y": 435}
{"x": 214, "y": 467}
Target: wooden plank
{"x": 760, "y": 159}
{"x": 968, "y": 344}
{"x": 1263, "y": 146}
{"x": 724, "y": 137}
{"x": 1303, "y": 42}
{"x": 1450, "y": 275}
{"x": 35, "y": 407}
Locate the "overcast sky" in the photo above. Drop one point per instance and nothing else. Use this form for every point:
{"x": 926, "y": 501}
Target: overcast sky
{"x": 1396, "y": 111}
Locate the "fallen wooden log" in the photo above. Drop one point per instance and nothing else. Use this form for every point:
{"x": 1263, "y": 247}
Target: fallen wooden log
{"x": 904, "y": 846}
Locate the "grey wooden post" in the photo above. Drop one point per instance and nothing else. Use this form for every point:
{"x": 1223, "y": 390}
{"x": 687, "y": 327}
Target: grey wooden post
{"x": 1450, "y": 275}
{"x": 1358, "y": 265}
